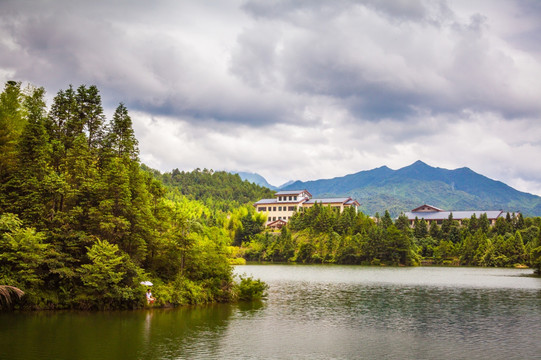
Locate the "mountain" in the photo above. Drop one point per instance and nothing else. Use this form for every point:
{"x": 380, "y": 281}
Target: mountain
{"x": 404, "y": 189}
{"x": 286, "y": 184}
{"x": 256, "y": 179}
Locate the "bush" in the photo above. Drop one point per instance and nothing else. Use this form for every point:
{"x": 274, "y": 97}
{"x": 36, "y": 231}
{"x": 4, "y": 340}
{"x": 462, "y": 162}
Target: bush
{"x": 249, "y": 289}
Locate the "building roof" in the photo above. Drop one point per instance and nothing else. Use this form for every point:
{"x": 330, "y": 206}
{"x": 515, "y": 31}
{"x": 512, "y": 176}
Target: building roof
{"x": 283, "y": 221}
{"x": 426, "y": 208}
{"x": 353, "y": 202}
{"x": 292, "y": 192}
{"x": 266, "y": 202}
{"x": 341, "y": 200}
{"x": 457, "y": 215}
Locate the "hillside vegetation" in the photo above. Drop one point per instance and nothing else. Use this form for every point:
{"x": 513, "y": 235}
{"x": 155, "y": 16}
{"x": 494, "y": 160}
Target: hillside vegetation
{"x": 404, "y": 189}
{"x": 82, "y": 224}
{"x": 321, "y": 234}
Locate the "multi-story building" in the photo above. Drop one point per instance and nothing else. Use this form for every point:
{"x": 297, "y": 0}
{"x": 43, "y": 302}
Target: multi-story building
{"x": 285, "y": 203}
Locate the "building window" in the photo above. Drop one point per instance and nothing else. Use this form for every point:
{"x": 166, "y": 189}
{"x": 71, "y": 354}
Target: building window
{"x": 274, "y": 208}
{"x": 295, "y": 198}
{"x": 291, "y": 208}
{"x": 290, "y": 198}
{"x": 270, "y": 219}
{"x": 274, "y": 218}
{"x": 262, "y": 209}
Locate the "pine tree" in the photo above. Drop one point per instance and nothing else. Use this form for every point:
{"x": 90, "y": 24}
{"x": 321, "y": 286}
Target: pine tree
{"x": 31, "y": 184}
{"x": 12, "y": 121}
{"x": 91, "y": 115}
{"x": 121, "y": 138}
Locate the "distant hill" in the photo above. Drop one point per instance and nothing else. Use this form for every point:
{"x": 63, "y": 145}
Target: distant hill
{"x": 256, "y": 179}
{"x": 404, "y": 189}
{"x": 223, "y": 189}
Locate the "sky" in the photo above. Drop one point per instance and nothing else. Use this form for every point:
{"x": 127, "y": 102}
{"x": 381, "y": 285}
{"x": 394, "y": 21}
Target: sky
{"x": 299, "y": 89}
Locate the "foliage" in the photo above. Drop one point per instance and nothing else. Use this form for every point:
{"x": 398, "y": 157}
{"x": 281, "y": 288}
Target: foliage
{"x": 82, "y": 222}
{"x": 7, "y": 294}
{"x": 249, "y": 289}
{"x": 322, "y": 235}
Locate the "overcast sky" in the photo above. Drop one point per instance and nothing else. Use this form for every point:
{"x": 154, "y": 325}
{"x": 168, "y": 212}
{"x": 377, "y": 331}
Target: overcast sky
{"x": 300, "y": 89}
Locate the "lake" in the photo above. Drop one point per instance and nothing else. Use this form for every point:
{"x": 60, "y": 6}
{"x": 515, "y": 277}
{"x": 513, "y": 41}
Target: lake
{"x": 312, "y": 312}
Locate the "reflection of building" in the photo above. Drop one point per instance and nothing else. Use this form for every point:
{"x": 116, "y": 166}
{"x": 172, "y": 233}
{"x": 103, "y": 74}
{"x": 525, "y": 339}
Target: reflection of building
{"x": 433, "y": 214}
{"x": 286, "y": 203}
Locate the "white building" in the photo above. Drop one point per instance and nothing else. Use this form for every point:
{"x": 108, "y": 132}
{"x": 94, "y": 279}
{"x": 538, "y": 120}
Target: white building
{"x": 286, "y": 203}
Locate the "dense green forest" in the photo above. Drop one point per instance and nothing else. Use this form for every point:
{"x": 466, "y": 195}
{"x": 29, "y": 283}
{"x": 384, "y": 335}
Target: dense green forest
{"x": 323, "y": 235}
{"x": 82, "y": 224}
{"x": 217, "y": 189}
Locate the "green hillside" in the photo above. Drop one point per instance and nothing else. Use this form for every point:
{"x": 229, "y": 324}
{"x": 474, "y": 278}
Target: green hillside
{"x": 404, "y": 189}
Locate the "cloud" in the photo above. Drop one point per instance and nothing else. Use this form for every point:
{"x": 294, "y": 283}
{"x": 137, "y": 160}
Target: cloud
{"x": 300, "y": 89}
{"x": 391, "y": 65}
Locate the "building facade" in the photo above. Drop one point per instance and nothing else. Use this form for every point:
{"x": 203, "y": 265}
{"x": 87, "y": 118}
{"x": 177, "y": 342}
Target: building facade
{"x": 286, "y": 203}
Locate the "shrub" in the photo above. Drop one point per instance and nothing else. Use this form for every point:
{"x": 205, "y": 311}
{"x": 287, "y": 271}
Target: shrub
{"x": 249, "y": 289}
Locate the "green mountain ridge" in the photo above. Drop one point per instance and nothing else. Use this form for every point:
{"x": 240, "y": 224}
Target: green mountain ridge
{"x": 404, "y": 189}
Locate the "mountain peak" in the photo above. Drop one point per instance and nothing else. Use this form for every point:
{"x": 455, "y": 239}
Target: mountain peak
{"x": 419, "y": 163}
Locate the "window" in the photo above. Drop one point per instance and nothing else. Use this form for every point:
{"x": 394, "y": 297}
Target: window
{"x": 291, "y": 208}
{"x": 279, "y": 218}
{"x": 274, "y": 208}
{"x": 295, "y": 198}
{"x": 290, "y": 198}
{"x": 274, "y": 218}
{"x": 279, "y": 208}
{"x": 262, "y": 209}
{"x": 270, "y": 219}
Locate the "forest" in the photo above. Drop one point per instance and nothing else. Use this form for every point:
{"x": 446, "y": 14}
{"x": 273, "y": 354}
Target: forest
{"x": 321, "y": 234}
{"x": 83, "y": 222}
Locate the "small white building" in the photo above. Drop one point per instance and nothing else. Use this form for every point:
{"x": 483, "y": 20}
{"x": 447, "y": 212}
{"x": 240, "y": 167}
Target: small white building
{"x": 286, "y": 203}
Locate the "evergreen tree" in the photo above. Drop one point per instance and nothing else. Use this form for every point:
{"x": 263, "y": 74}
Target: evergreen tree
{"x": 386, "y": 220}
{"x": 12, "y": 121}
{"x": 420, "y": 229}
{"x": 29, "y": 190}
{"x": 121, "y": 138}
{"x": 91, "y": 115}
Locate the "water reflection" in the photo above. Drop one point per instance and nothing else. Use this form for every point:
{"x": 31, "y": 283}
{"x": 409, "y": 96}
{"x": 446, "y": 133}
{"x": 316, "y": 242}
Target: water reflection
{"x": 312, "y": 312}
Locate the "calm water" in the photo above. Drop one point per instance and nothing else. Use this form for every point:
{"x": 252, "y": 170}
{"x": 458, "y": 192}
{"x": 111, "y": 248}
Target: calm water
{"x": 312, "y": 312}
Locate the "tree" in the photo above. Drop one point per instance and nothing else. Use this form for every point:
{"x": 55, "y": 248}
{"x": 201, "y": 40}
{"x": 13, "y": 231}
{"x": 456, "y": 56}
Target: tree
{"x": 110, "y": 276}
{"x": 12, "y": 121}
{"x": 23, "y": 254}
{"x": 121, "y": 138}
{"x": 91, "y": 115}
{"x": 386, "y": 220}
{"x": 420, "y": 229}
{"x": 63, "y": 125}
{"x": 28, "y": 191}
